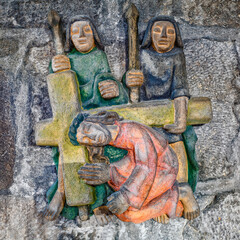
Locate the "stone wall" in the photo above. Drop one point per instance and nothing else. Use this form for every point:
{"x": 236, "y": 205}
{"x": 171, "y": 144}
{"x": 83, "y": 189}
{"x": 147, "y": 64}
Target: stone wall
{"x": 210, "y": 30}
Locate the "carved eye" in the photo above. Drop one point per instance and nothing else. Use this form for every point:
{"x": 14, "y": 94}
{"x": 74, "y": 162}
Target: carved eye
{"x": 87, "y": 29}
{"x": 87, "y": 128}
{"x": 157, "y": 30}
{"x": 171, "y": 31}
{"x": 75, "y": 30}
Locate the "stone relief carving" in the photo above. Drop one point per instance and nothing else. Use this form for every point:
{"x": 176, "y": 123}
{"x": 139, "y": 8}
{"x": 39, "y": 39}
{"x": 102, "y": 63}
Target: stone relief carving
{"x": 124, "y": 148}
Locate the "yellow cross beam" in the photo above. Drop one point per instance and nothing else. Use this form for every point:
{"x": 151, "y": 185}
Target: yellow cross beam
{"x": 65, "y": 101}
{"x": 160, "y": 112}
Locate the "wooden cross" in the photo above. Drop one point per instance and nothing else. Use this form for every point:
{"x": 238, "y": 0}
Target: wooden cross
{"x": 65, "y": 102}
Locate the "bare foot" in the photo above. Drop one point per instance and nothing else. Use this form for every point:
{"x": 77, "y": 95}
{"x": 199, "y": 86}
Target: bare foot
{"x": 164, "y": 219}
{"x": 190, "y": 205}
{"x": 103, "y": 215}
{"x": 53, "y": 210}
{"x": 83, "y": 213}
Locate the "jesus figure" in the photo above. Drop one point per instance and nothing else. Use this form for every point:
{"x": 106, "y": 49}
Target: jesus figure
{"x": 144, "y": 180}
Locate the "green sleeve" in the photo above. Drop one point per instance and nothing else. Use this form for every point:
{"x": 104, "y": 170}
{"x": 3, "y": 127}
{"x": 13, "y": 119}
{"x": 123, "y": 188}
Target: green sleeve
{"x": 190, "y": 139}
{"x": 123, "y": 91}
{"x": 104, "y": 73}
{"x": 50, "y": 70}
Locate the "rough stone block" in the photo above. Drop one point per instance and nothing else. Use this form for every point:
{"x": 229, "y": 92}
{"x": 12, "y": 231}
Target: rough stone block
{"x": 7, "y": 140}
{"x": 219, "y": 221}
{"x": 211, "y": 68}
{"x": 211, "y": 13}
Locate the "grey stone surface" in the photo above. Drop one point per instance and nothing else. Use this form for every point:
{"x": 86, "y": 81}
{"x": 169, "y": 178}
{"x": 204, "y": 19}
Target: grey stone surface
{"x": 212, "y": 67}
{"x": 208, "y": 13}
{"x": 212, "y": 48}
{"x": 8, "y": 46}
{"x": 7, "y": 147}
{"x": 219, "y": 221}
{"x": 105, "y": 13}
{"x": 215, "y": 186}
{"x": 20, "y": 214}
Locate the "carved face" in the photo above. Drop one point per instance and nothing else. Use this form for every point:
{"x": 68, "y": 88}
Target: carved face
{"x": 93, "y": 134}
{"x": 163, "y": 36}
{"x": 82, "y": 36}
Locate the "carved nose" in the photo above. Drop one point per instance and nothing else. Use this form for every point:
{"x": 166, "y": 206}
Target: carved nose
{"x": 163, "y": 33}
{"x": 81, "y": 33}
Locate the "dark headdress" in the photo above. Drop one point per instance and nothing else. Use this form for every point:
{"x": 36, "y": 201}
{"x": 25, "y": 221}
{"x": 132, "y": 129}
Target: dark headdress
{"x": 146, "y": 43}
{"x": 69, "y": 44}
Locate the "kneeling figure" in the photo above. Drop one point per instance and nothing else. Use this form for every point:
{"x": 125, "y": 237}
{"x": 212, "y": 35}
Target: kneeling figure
{"x": 144, "y": 180}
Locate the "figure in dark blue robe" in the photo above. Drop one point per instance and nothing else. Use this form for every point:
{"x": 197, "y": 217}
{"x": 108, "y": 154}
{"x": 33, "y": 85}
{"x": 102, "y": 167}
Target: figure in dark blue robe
{"x": 165, "y": 78}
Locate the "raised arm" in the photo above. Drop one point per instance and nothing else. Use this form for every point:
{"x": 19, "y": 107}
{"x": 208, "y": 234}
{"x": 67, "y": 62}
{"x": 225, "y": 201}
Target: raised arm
{"x": 180, "y": 95}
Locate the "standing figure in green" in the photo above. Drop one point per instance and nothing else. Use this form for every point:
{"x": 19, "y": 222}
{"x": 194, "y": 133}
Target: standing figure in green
{"x": 98, "y": 88}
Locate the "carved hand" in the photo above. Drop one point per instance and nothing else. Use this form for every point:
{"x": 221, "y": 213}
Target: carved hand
{"x": 108, "y": 89}
{"x": 117, "y": 203}
{"x": 180, "y": 124}
{"x": 60, "y": 62}
{"x": 95, "y": 173}
{"x": 134, "y": 78}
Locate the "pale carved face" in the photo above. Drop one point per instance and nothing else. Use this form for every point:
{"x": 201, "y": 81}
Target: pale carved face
{"x": 92, "y": 134}
{"x": 163, "y": 36}
{"x": 82, "y": 36}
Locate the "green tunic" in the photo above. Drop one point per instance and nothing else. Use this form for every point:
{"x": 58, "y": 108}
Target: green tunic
{"x": 92, "y": 68}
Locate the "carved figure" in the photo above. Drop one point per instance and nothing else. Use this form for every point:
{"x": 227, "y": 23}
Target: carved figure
{"x": 133, "y": 150}
{"x": 164, "y": 71}
{"x": 97, "y": 86}
{"x": 86, "y": 58}
{"x": 144, "y": 180}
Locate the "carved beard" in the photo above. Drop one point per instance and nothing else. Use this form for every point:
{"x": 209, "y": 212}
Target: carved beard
{"x": 96, "y": 155}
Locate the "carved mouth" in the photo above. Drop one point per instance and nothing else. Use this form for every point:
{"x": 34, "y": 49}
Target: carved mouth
{"x": 82, "y": 40}
{"x": 163, "y": 42}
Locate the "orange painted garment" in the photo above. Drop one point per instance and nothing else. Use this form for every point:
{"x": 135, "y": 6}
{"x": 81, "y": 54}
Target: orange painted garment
{"x": 146, "y": 175}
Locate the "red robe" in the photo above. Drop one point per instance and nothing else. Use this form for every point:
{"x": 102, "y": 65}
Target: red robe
{"x": 146, "y": 175}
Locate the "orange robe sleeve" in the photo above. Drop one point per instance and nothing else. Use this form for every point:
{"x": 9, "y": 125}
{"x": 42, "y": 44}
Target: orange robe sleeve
{"x": 147, "y": 175}
{"x": 137, "y": 186}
